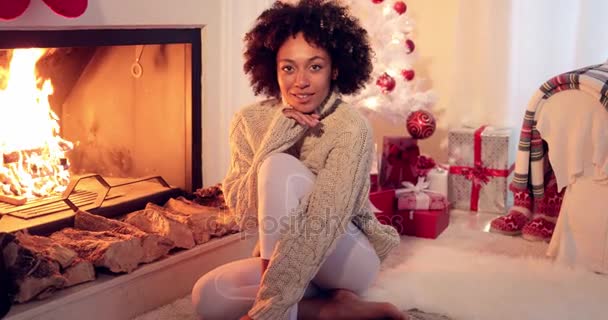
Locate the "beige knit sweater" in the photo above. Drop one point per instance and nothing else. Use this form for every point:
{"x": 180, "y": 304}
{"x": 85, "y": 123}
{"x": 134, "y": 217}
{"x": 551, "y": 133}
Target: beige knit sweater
{"x": 339, "y": 152}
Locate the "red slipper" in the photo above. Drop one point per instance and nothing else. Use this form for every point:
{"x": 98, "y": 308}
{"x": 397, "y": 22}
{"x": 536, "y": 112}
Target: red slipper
{"x": 11, "y": 9}
{"x": 511, "y": 224}
{"x": 539, "y": 229}
{"x": 68, "y": 8}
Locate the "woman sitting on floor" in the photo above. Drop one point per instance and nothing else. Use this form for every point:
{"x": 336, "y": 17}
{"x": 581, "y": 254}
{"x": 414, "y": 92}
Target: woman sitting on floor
{"x": 299, "y": 173}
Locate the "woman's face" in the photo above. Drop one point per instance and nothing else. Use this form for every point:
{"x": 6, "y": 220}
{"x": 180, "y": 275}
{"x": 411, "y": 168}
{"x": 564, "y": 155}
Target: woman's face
{"x": 304, "y": 73}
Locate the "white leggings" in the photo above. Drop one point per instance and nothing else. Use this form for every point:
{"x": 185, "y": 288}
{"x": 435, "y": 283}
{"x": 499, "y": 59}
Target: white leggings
{"x": 228, "y": 292}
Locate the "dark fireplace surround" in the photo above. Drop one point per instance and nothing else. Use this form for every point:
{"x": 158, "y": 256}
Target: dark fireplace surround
{"x": 125, "y": 127}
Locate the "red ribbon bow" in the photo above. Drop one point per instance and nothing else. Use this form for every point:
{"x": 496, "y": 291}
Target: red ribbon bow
{"x": 478, "y": 174}
{"x": 424, "y": 165}
{"x": 405, "y": 156}
{"x": 403, "y": 162}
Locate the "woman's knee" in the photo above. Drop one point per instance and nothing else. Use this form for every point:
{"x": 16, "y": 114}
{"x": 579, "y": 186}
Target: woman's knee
{"x": 227, "y": 291}
{"x": 283, "y": 174}
{"x": 276, "y": 165}
{"x": 207, "y": 298}
{"x": 203, "y": 294}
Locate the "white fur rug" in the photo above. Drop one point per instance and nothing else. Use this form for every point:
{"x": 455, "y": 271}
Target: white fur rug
{"x": 470, "y": 275}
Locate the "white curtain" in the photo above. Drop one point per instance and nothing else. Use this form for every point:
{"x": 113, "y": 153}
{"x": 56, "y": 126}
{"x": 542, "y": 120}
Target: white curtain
{"x": 237, "y": 17}
{"x": 506, "y": 49}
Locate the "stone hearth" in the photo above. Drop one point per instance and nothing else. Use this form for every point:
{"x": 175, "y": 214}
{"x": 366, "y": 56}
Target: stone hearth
{"x": 125, "y": 296}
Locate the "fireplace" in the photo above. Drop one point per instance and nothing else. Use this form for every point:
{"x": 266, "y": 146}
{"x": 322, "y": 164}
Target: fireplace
{"x": 128, "y": 107}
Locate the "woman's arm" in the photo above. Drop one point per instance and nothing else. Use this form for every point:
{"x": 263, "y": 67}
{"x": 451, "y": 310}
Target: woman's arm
{"x": 235, "y": 184}
{"x": 340, "y": 189}
{"x": 240, "y": 184}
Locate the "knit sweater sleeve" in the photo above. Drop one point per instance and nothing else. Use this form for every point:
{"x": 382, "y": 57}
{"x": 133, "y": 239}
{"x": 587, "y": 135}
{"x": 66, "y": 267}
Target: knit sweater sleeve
{"x": 235, "y": 185}
{"x": 340, "y": 189}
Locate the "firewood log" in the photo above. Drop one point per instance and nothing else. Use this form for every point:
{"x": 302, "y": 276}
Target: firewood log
{"x": 7, "y": 284}
{"x": 115, "y": 251}
{"x": 48, "y": 248}
{"x": 221, "y": 223}
{"x": 212, "y": 196}
{"x": 154, "y": 246}
{"x": 33, "y": 274}
{"x": 58, "y": 266}
{"x": 78, "y": 272}
{"x": 203, "y": 224}
{"x": 156, "y": 221}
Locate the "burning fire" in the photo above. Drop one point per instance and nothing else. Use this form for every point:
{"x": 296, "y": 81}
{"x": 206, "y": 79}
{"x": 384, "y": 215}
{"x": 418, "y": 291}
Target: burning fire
{"x": 33, "y": 162}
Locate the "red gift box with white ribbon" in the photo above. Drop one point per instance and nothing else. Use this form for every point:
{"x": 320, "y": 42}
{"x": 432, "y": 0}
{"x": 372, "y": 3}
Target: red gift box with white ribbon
{"x": 420, "y": 211}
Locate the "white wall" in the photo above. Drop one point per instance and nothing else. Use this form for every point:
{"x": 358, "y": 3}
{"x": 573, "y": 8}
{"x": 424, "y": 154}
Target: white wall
{"x": 239, "y": 16}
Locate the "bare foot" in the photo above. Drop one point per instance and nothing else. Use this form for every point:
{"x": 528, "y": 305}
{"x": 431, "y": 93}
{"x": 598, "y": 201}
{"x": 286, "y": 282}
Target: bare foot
{"x": 344, "y": 304}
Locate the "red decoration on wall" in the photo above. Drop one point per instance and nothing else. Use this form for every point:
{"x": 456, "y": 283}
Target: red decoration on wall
{"x": 377, "y": 1}
{"x": 11, "y": 9}
{"x": 68, "y": 8}
{"x": 400, "y": 7}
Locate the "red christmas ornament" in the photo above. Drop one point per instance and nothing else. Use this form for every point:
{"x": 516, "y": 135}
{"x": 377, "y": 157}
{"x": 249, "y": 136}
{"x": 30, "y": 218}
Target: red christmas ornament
{"x": 400, "y": 7}
{"x": 420, "y": 124}
{"x": 11, "y": 9}
{"x": 386, "y": 83}
{"x": 410, "y": 45}
{"x": 68, "y": 8}
{"x": 377, "y": 1}
{"x": 408, "y": 74}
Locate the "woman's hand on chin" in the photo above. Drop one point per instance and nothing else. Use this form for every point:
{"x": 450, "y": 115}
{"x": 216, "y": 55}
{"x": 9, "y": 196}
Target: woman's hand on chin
{"x": 310, "y": 120}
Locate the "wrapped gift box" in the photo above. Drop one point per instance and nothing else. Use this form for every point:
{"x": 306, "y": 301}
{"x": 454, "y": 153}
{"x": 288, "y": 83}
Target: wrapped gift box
{"x": 415, "y": 201}
{"x": 422, "y": 223}
{"x": 384, "y": 201}
{"x": 438, "y": 180}
{"x": 373, "y": 182}
{"x": 481, "y": 164}
{"x": 420, "y": 211}
{"x": 398, "y": 162}
{"x": 435, "y": 174}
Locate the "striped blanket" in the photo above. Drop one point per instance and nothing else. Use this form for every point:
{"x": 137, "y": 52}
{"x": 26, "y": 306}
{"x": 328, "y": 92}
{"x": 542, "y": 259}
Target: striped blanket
{"x": 531, "y": 166}
{"x": 534, "y": 185}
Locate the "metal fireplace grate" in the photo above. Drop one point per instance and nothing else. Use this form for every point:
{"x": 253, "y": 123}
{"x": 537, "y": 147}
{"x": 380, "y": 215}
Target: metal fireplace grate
{"x": 72, "y": 198}
{"x": 48, "y": 205}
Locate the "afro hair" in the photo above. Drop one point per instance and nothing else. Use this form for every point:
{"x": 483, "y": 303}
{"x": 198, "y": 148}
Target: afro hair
{"x": 325, "y": 24}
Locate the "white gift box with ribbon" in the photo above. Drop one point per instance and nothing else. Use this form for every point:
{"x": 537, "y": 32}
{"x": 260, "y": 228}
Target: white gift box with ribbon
{"x": 438, "y": 180}
{"x": 419, "y": 196}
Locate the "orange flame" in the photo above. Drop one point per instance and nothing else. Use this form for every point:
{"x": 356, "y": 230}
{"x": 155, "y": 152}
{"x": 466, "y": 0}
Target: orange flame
{"x": 33, "y": 160}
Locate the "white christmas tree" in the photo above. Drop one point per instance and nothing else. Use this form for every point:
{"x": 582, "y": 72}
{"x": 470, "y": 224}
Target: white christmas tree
{"x": 396, "y": 90}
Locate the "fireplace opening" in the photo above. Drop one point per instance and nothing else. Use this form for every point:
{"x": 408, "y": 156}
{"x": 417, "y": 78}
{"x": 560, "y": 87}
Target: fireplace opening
{"x": 99, "y": 120}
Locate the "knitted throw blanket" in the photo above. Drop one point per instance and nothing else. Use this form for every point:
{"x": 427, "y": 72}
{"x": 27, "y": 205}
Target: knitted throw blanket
{"x": 531, "y": 167}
